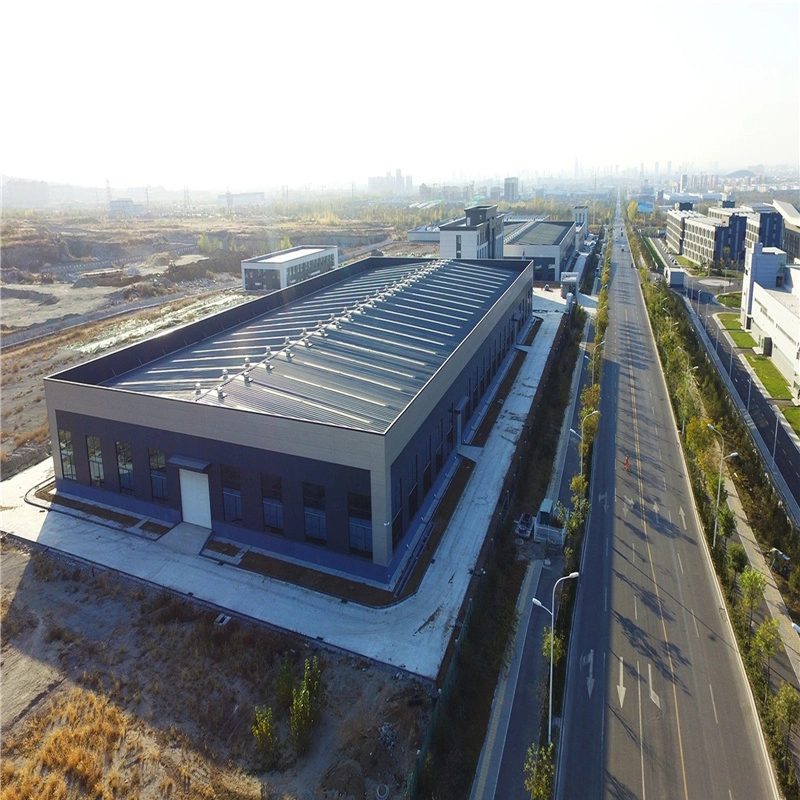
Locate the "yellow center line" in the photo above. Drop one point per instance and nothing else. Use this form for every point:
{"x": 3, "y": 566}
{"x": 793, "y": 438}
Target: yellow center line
{"x": 653, "y": 574}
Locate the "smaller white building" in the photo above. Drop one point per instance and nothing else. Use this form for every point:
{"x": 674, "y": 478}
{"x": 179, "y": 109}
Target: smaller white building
{"x": 274, "y": 271}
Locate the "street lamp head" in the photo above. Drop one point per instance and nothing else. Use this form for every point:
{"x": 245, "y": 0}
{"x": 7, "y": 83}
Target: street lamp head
{"x": 712, "y": 427}
{"x": 537, "y": 602}
{"x": 596, "y": 411}
{"x": 573, "y": 575}
{"x": 731, "y": 455}
{"x": 574, "y": 432}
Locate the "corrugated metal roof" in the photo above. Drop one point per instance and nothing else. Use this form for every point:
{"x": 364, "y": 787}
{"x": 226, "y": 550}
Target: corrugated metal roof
{"x": 354, "y": 354}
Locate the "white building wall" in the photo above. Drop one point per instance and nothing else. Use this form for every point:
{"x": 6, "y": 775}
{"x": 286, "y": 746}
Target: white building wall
{"x": 774, "y": 319}
{"x": 469, "y": 244}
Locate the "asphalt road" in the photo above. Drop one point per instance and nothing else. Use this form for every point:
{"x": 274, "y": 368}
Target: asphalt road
{"x": 657, "y": 703}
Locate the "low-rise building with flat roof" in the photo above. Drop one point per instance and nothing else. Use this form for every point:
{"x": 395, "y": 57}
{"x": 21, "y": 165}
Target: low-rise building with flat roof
{"x": 549, "y": 244}
{"x": 274, "y": 271}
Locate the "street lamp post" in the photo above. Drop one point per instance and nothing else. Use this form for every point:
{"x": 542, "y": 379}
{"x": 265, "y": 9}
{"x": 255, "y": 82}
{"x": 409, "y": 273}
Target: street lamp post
{"x": 722, "y": 457}
{"x": 551, "y": 612}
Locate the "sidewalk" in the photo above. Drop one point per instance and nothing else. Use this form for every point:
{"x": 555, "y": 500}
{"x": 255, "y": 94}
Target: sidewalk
{"x": 772, "y": 596}
{"x": 484, "y": 786}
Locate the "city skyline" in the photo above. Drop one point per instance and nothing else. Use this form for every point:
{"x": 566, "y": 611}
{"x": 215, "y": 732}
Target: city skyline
{"x": 324, "y": 96}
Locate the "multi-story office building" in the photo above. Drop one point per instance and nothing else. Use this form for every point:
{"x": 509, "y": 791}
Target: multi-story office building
{"x": 478, "y": 234}
{"x": 791, "y": 230}
{"x": 704, "y": 240}
{"x": 286, "y": 267}
{"x": 764, "y": 226}
{"x": 676, "y": 228}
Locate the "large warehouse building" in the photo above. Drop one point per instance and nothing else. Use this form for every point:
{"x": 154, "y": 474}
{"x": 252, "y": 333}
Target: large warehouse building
{"x": 310, "y": 423}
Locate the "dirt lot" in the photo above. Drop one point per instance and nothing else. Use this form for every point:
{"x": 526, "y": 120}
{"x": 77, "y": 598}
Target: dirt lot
{"x": 70, "y": 300}
{"x": 113, "y": 689}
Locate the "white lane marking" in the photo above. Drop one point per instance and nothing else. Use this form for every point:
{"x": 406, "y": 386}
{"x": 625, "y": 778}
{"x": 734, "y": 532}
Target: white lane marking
{"x": 641, "y": 729}
{"x": 635, "y": 609}
{"x": 633, "y": 552}
{"x": 664, "y": 479}
{"x": 669, "y": 513}
{"x": 713, "y": 704}
{"x": 653, "y": 696}
{"x": 680, "y": 563}
{"x": 694, "y": 619}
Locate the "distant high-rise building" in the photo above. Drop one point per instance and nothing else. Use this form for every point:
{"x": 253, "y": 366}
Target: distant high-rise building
{"x": 399, "y": 184}
{"x": 656, "y": 167}
{"x": 669, "y": 168}
{"x": 511, "y": 190}
{"x": 409, "y": 184}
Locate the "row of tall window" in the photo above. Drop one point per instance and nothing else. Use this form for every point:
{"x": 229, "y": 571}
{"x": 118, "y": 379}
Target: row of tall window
{"x": 125, "y": 471}
{"x": 359, "y": 506}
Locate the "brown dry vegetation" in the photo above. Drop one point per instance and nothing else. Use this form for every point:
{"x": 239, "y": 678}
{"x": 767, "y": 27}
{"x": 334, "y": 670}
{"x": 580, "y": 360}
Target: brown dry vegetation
{"x": 116, "y": 690}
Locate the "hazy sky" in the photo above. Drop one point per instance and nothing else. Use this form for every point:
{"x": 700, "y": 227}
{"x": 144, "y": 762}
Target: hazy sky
{"x": 254, "y": 94}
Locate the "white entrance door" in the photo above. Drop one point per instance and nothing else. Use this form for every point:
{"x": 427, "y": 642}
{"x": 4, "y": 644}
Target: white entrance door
{"x": 195, "y": 500}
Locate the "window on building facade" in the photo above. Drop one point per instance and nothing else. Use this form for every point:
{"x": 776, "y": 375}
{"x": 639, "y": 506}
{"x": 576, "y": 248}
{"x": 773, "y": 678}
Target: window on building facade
{"x": 93, "y": 448}
{"x": 397, "y": 512}
{"x": 359, "y": 514}
{"x": 413, "y": 494}
{"x": 458, "y": 245}
{"x": 438, "y": 445}
{"x": 125, "y": 467}
{"x": 427, "y": 469}
{"x": 231, "y": 494}
{"x": 314, "y": 511}
{"x": 272, "y": 502}
{"x": 68, "y": 470}
{"x": 158, "y": 474}
{"x": 451, "y": 417}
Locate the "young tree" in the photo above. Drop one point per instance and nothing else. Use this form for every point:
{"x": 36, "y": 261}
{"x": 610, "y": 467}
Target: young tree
{"x": 737, "y": 557}
{"x": 787, "y": 707}
{"x": 752, "y": 584}
{"x": 264, "y": 731}
{"x": 539, "y": 772}
{"x": 558, "y": 647}
{"x": 766, "y": 642}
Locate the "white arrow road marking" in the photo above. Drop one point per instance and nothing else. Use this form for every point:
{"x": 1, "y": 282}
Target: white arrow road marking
{"x": 655, "y": 509}
{"x": 628, "y": 505}
{"x": 603, "y": 498}
{"x": 620, "y": 687}
{"x": 683, "y": 517}
{"x": 653, "y": 696}
{"x": 589, "y": 658}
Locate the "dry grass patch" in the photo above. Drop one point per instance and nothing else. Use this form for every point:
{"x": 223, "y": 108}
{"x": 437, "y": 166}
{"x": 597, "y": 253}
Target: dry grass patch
{"x": 66, "y": 751}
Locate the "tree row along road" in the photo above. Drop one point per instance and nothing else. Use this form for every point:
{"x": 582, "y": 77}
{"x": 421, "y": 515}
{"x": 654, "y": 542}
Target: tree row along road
{"x": 657, "y": 704}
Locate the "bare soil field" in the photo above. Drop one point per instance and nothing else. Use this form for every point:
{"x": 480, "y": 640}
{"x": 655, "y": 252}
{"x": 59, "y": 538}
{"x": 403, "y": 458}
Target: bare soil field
{"x": 114, "y": 689}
